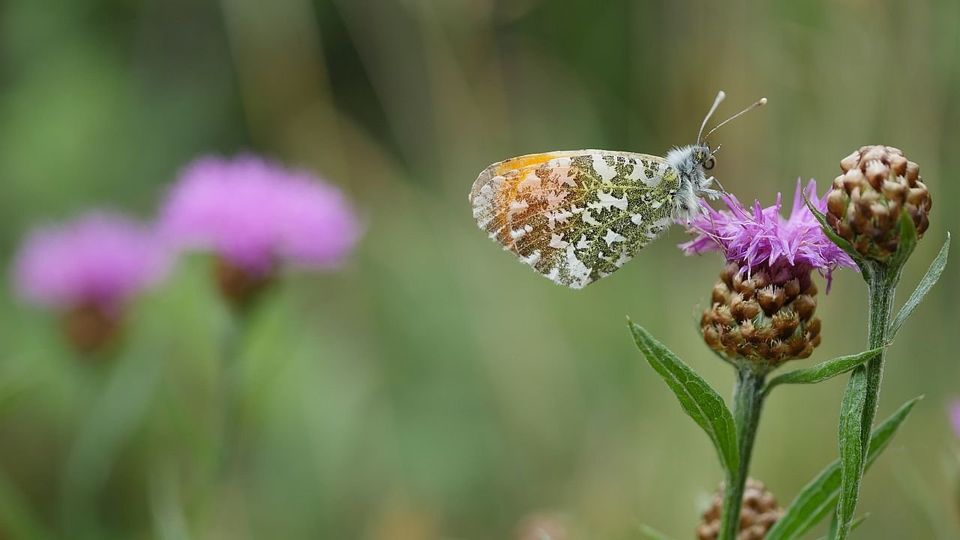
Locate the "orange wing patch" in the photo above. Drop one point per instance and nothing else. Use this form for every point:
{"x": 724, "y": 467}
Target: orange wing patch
{"x": 531, "y": 161}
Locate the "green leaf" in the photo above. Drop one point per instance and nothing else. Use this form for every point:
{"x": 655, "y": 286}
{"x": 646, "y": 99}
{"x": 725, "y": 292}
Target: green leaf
{"x": 697, "y": 398}
{"x": 851, "y": 449}
{"x": 819, "y": 497}
{"x": 840, "y": 241}
{"x": 650, "y": 533}
{"x": 927, "y": 283}
{"x": 907, "y": 242}
{"x": 823, "y": 370}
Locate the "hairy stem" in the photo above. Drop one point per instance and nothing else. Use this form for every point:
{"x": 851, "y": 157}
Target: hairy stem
{"x": 747, "y": 402}
{"x": 881, "y": 289}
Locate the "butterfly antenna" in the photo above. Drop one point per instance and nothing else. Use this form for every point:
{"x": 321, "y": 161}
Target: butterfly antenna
{"x": 716, "y": 103}
{"x": 719, "y": 185}
{"x": 759, "y": 103}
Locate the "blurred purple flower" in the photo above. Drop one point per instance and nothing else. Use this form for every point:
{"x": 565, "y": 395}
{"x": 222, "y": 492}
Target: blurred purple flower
{"x": 255, "y": 213}
{"x": 762, "y": 240}
{"x": 955, "y": 417}
{"x": 101, "y": 259}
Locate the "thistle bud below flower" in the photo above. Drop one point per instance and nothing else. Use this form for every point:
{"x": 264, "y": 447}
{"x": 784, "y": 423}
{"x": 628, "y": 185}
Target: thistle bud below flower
{"x": 764, "y": 326}
{"x": 759, "y": 513}
{"x": 877, "y": 185}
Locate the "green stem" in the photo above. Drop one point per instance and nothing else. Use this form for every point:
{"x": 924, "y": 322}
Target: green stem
{"x": 882, "y": 283}
{"x": 229, "y": 391}
{"x": 881, "y": 289}
{"x": 747, "y": 402}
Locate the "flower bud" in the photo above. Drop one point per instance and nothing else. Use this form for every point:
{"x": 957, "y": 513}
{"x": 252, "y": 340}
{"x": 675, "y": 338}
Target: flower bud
{"x": 877, "y": 185}
{"x": 758, "y": 514}
{"x": 762, "y": 326}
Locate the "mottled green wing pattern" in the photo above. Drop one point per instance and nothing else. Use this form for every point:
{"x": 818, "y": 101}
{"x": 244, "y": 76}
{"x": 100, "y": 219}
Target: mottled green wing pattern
{"x": 578, "y": 216}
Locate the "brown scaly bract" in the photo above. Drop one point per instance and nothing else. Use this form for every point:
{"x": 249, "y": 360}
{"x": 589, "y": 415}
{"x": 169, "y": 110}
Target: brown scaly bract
{"x": 758, "y": 514}
{"x": 877, "y": 185}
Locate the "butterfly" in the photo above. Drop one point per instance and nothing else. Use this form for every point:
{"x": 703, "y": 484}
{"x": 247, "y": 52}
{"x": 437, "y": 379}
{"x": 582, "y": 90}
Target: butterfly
{"x": 577, "y": 216}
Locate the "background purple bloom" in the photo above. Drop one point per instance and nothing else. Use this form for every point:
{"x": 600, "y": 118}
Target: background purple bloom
{"x": 955, "y": 417}
{"x": 760, "y": 238}
{"x": 256, "y": 213}
{"x": 101, "y": 259}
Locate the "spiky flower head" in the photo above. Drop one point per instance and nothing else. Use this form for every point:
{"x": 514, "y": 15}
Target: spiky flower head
{"x": 757, "y": 515}
{"x": 877, "y": 185}
{"x": 257, "y": 216}
{"x": 88, "y": 270}
{"x": 762, "y": 308}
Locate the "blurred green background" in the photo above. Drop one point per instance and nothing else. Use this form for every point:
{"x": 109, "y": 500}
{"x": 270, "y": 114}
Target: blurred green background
{"x": 435, "y": 388}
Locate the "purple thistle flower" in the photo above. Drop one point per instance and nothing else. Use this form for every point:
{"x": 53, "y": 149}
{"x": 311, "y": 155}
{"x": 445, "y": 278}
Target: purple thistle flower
{"x": 101, "y": 260}
{"x": 760, "y": 239}
{"x": 256, "y": 214}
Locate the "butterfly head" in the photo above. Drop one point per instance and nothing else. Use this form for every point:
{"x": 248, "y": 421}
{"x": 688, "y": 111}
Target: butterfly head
{"x": 704, "y": 157}
{"x": 693, "y": 165}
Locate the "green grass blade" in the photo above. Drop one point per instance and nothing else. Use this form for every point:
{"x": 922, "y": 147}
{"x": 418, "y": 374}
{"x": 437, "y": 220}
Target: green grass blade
{"x": 816, "y": 500}
{"x": 698, "y": 399}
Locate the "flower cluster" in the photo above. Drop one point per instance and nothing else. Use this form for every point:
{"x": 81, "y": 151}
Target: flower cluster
{"x": 762, "y": 308}
{"x": 253, "y": 214}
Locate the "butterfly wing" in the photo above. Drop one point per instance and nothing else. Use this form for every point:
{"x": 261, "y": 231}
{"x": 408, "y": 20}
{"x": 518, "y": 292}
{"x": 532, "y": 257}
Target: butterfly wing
{"x": 577, "y": 216}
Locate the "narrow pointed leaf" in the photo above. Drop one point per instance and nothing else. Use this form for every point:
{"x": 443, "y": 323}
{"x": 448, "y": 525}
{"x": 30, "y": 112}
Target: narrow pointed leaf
{"x": 818, "y": 498}
{"x": 823, "y": 370}
{"x": 927, "y": 283}
{"x": 851, "y": 449}
{"x": 840, "y": 241}
{"x": 697, "y": 398}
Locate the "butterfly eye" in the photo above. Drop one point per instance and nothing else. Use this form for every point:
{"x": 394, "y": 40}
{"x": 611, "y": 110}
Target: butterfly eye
{"x": 709, "y": 163}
